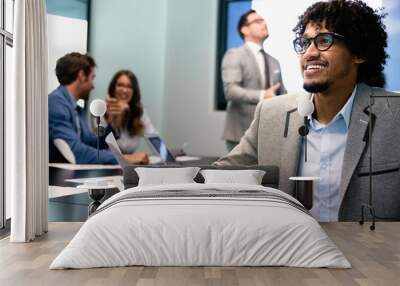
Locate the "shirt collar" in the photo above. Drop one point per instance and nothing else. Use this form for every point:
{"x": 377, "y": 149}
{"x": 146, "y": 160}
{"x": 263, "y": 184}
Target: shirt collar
{"x": 253, "y": 46}
{"x": 346, "y": 109}
{"x": 345, "y": 112}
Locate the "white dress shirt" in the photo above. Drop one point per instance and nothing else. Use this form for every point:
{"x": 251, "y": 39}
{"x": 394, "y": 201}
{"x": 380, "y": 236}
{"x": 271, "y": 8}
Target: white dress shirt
{"x": 255, "y": 49}
{"x": 325, "y": 151}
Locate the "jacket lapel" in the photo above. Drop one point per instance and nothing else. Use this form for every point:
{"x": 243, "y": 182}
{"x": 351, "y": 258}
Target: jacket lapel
{"x": 355, "y": 145}
{"x": 291, "y": 149}
{"x": 252, "y": 63}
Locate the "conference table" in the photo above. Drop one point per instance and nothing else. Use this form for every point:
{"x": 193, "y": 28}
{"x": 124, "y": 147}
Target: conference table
{"x": 68, "y": 203}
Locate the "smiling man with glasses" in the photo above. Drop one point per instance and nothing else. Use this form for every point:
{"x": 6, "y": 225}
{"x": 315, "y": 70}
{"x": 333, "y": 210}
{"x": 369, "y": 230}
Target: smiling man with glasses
{"x": 249, "y": 75}
{"x": 341, "y": 47}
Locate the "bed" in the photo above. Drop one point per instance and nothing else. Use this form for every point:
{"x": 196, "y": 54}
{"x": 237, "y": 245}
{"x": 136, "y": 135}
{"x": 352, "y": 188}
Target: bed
{"x": 200, "y": 224}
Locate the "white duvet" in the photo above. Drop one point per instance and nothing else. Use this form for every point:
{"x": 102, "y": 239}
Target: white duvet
{"x": 183, "y": 231}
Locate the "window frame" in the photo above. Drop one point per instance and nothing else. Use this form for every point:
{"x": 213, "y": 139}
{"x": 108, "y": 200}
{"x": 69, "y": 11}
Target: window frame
{"x": 222, "y": 34}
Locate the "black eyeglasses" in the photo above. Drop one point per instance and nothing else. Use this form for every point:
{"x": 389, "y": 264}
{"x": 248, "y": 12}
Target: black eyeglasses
{"x": 258, "y": 21}
{"x": 322, "y": 41}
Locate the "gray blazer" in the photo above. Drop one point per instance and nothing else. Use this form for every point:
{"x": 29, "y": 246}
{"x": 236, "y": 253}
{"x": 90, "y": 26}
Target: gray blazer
{"x": 264, "y": 143}
{"x": 242, "y": 87}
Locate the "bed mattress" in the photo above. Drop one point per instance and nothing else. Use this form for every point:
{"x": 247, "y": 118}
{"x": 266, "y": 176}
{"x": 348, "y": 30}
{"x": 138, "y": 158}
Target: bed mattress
{"x": 201, "y": 225}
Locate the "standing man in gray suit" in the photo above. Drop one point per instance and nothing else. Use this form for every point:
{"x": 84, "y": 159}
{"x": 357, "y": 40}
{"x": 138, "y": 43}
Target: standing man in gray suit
{"x": 249, "y": 75}
{"x": 341, "y": 46}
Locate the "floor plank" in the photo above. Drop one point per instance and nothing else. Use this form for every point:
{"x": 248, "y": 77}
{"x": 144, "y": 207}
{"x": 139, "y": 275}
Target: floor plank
{"x": 374, "y": 255}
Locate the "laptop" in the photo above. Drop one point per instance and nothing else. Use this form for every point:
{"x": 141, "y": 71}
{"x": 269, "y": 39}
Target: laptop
{"x": 155, "y": 142}
{"x": 115, "y": 150}
{"x": 159, "y": 146}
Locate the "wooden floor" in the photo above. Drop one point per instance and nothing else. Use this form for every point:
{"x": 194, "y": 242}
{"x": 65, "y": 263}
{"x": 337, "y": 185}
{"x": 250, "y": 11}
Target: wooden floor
{"x": 375, "y": 257}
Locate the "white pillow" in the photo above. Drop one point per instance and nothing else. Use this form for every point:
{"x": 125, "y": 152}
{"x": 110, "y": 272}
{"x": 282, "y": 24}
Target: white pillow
{"x": 248, "y": 177}
{"x": 163, "y": 176}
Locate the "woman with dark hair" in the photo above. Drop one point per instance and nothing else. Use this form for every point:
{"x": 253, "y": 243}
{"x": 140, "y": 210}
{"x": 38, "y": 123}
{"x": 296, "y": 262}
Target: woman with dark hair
{"x": 125, "y": 111}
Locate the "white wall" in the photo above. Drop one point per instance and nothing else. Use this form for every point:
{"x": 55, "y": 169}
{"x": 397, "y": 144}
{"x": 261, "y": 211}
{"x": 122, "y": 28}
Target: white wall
{"x": 279, "y": 43}
{"x": 65, "y": 35}
{"x": 130, "y": 34}
{"x": 190, "y": 72}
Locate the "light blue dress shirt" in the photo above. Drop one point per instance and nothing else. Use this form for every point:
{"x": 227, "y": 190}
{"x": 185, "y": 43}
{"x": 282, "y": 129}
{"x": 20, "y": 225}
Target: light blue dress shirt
{"x": 325, "y": 151}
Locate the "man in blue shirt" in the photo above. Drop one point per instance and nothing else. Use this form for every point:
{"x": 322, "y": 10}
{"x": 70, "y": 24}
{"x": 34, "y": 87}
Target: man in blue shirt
{"x": 76, "y": 73}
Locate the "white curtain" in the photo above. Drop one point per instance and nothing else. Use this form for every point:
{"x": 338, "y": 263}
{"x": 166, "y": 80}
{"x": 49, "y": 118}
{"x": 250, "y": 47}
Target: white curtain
{"x": 27, "y": 123}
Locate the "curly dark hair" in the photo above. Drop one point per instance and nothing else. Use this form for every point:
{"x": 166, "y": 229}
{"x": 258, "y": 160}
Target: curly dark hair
{"x": 363, "y": 30}
{"x": 133, "y": 122}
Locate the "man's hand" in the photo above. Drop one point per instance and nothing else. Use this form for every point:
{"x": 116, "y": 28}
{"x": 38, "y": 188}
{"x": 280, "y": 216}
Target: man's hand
{"x": 271, "y": 92}
{"x": 137, "y": 158}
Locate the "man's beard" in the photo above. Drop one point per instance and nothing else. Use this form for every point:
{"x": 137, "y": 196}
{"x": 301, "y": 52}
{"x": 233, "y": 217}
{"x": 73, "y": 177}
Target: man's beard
{"x": 316, "y": 87}
{"x": 85, "y": 95}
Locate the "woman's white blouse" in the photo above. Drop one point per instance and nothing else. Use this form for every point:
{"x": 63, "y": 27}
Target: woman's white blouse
{"x": 128, "y": 143}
